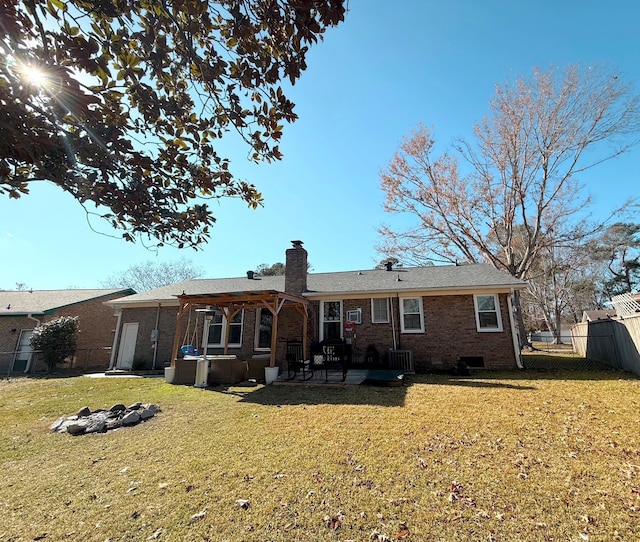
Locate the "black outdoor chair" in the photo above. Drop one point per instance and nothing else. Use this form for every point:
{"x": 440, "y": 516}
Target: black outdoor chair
{"x": 296, "y": 362}
{"x": 331, "y": 355}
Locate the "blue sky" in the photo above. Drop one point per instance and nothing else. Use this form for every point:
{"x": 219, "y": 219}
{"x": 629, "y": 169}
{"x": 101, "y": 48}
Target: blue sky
{"x": 388, "y": 67}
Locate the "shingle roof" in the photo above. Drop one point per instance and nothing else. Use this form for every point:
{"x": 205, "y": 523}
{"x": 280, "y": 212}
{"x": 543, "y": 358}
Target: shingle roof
{"x": 435, "y": 278}
{"x": 19, "y": 303}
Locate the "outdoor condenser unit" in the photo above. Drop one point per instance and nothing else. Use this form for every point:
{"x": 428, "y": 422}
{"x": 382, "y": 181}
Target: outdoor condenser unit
{"x": 402, "y": 360}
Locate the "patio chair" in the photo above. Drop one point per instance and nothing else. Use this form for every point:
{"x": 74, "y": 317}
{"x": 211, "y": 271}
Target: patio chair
{"x": 296, "y": 362}
{"x": 332, "y": 356}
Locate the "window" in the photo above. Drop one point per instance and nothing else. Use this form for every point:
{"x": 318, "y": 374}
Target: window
{"x": 487, "y": 312}
{"x": 264, "y": 327}
{"x": 217, "y": 329}
{"x": 411, "y": 315}
{"x": 380, "y": 310}
{"x": 331, "y": 320}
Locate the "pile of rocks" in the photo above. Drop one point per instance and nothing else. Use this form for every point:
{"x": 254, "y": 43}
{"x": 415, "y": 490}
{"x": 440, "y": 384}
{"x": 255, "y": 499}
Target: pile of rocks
{"x": 100, "y": 421}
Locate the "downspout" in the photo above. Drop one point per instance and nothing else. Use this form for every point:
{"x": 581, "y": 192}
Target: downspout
{"x": 514, "y": 334}
{"x": 157, "y": 333}
{"x": 399, "y": 316}
{"x": 27, "y": 369}
{"x": 117, "y": 312}
{"x": 393, "y": 325}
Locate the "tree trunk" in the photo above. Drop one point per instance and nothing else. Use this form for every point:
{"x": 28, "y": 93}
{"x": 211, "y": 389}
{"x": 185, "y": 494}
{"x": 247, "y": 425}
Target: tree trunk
{"x": 557, "y": 332}
{"x": 522, "y": 332}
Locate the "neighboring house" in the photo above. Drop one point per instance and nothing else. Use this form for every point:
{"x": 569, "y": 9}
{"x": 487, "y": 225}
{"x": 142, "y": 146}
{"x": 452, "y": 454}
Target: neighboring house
{"x": 441, "y": 314}
{"x": 22, "y": 311}
{"x": 598, "y": 314}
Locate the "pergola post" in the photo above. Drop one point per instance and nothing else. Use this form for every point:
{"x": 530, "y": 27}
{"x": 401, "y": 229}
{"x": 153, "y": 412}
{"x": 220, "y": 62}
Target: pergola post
{"x": 274, "y": 338}
{"x": 176, "y": 339}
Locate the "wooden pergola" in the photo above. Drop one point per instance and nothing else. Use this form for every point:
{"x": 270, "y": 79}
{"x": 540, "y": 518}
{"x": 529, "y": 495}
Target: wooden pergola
{"x": 231, "y": 303}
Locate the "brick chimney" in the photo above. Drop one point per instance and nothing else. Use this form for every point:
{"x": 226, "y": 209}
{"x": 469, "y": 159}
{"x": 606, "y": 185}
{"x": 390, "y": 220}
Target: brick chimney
{"x": 295, "y": 274}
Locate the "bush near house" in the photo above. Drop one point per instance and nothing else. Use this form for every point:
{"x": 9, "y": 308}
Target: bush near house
{"x": 57, "y": 339}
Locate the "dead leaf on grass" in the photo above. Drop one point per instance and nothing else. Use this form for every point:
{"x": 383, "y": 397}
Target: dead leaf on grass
{"x": 290, "y": 525}
{"x": 198, "y": 516}
{"x": 379, "y": 537}
{"x": 334, "y": 522}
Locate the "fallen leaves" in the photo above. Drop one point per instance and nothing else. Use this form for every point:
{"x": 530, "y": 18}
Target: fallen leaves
{"x": 198, "y": 516}
{"x": 455, "y": 495}
{"x": 334, "y": 522}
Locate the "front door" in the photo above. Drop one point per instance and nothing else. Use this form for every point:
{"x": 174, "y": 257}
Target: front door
{"x": 127, "y": 345}
{"x": 22, "y": 357}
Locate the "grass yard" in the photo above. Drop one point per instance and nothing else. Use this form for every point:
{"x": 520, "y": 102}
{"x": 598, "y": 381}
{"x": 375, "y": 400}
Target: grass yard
{"x": 505, "y": 457}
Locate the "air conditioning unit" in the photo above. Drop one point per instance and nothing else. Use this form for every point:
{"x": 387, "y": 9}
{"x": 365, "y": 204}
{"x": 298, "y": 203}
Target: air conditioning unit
{"x": 402, "y": 360}
{"x": 354, "y": 316}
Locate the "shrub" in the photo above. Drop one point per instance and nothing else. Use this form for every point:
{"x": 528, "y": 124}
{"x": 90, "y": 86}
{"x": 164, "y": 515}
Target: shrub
{"x": 57, "y": 339}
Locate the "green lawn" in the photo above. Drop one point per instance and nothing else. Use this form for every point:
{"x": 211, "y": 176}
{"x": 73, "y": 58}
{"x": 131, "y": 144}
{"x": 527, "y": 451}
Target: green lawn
{"x": 506, "y": 457}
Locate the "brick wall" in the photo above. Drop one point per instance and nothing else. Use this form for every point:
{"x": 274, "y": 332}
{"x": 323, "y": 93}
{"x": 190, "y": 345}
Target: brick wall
{"x": 96, "y": 323}
{"x": 289, "y": 327}
{"x": 450, "y": 333}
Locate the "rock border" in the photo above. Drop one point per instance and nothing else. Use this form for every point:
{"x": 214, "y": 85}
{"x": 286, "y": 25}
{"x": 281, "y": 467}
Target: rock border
{"x": 101, "y": 420}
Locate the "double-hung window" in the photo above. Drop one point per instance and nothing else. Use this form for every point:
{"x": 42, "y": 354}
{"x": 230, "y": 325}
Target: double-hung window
{"x": 380, "y": 310}
{"x": 331, "y": 320}
{"x": 217, "y": 330}
{"x": 487, "y": 312}
{"x": 411, "y": 315}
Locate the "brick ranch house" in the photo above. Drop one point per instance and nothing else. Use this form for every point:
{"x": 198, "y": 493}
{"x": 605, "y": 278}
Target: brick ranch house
{"x": 440, "y": 314}
{"x": 22, "y": 311}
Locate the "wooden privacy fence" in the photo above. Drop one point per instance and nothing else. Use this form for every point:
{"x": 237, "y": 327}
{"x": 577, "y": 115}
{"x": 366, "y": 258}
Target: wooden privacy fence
{"x": 614, "y": 342}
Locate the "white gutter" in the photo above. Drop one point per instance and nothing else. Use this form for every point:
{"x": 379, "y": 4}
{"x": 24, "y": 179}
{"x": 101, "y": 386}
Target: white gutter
{"x": 514, "y": 334}
{"x": 27, "y": 368}
{"x": 117, "y": 311}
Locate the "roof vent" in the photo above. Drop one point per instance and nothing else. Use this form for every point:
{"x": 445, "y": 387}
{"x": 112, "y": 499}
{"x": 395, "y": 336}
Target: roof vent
{"x": 250, "y": 275}
{"x": 389, "y": 266}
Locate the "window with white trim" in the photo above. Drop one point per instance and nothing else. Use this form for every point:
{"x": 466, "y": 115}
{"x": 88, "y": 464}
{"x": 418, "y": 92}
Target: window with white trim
{"x": 411, "y": 316}
{"x": 331, "y": 320}
{"x": 380, "y": 310}
{"x": 487, "y": 312}
{"x": 218, "y": 326}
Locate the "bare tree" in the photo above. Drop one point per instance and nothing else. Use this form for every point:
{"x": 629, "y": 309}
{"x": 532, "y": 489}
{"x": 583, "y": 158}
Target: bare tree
{"x": 522, "y": 195}
{"x": 149, "y": 275}
{"x": 551, "y": 287}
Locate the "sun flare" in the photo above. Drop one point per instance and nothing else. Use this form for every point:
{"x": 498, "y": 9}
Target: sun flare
{"x": 35, "y": 76}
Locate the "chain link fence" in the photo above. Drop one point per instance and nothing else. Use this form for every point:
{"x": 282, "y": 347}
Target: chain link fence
{"x": 548, "y": 357}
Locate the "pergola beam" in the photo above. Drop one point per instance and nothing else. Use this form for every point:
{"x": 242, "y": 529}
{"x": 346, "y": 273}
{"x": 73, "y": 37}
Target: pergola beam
{"x": 233, "y": 302}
